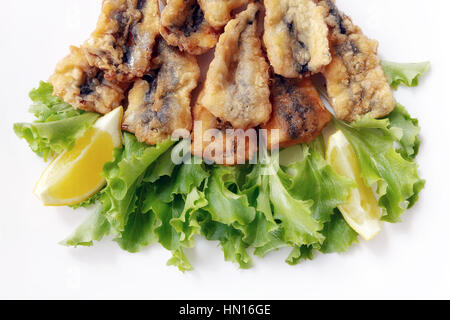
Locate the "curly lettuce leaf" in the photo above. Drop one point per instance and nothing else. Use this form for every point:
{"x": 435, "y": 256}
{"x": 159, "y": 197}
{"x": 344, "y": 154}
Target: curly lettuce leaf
{"x": 314, "y": 179}
{"x": 404, "y": 73}
{"x": 408, "y": 145}
{"x": 124, "y": 176}
{"x": 235, "y": 249}
{"x": 231, "y": 240}
{"x": 168, "y": 237}
{"x": 275, "y": 242}
{"x": 396, "y": 178}
{"x": 257, "y": 190}
{"x": 57, "y": 124}
{"x": 49, "y": 138}
{"x": 47, "y": 108}
{"x": 183, "y": 184}
{"x": 225, "y": 205}
{"x": 94, "y": 228}
{"x": 339, "y": 236}
{"x": 299, "y": 254}
{"x": 164, "y": 167}
{"x": 180, "y": 261}
{"x": 187, "y": 224}
{"x": 299, "y": 226}
{"x": 89, "y": 202}
{"x": 132, "y": 163}
{"x": 139, "y": 231}
{"x": 183, "y": 180}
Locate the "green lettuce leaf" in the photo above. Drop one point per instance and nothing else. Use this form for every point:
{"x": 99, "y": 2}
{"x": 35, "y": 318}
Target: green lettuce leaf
{"x": 168, "y": 237}
{"x": 231, "y": 240}
{"x": 281, "y": 196}
{"x": 183, "y": 180}
{"x": 235, "y": 249}
{"x": 164, "y": 167}
{"x": 409, "y": 144}
{"x": 180, "y": 261}
{"x": 89, "y": 202}
{"x": 314, "y": 179}
{"x": 125, "y": 175}
{"x": 49, "y": 138}
{"x": 339, "y": 236}
{"x": 404, "y": 73}
{"x": 187, "y": 224}
{"x": 94, "y": 228}
{"x": 57, "y": 126}
{"x": 257, "y": 233}
{"x": 299, "y": 254}
{"x": 396, "y": 178}
{"x": 226, "y": 205}
{"x": 47, "y": 108}
{"x": 299, "y": 226}
{"x": 140, "y": 229}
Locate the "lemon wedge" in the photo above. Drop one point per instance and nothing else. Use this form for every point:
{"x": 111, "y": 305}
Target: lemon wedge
{"x": 361, "y": 211}
{"x": 75, "y": 175}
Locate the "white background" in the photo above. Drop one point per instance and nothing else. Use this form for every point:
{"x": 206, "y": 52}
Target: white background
{"x": 407, "y": 260}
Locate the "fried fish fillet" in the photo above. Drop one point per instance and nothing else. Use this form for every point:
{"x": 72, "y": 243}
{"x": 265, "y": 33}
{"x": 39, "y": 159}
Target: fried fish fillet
{"x": 218, "y": 12}
{"x": 236, "y": 89}
{"x": 217, "y": 142}
{"x": 84, "y": 86}
{"x": 160, "y": 102}
{"x": 123, "y": 41}
{"x": 183, "y": 25}
{"x": 296, "y": 37}
{"x": 298, "y": 112}
{"x": 356, "y": 82}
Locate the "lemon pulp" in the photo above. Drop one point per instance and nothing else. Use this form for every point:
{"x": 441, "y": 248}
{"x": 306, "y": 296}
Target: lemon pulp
{"x": 84, "y": 165}
{"x": 76, "y": 174}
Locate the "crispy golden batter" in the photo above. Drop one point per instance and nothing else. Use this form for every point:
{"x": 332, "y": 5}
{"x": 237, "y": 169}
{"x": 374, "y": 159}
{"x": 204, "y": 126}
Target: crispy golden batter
{"x": 218, "y": 12}
{"x": 296, "y": 37}
{"x": 236, "y": 89}
{"x": 356, "y": 82}
{"x": 160, "y": 103}
{"x": 123, "y": 41}
{"x": 183, "y": 25}
{"x": 85, "y": 87}
{"x": 233, "y": 149}
{"x": 298, "y": 112}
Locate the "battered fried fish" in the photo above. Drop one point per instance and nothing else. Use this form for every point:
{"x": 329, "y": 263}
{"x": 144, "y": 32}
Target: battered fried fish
{"x": 296, "y": 37}
{"x": 85, "y": 87}
{"x": 218, "y": 12}
{"x": 212, "y": 142}
{"x": 236, "y": 89}
{"x": 298, "y": 112}
{"x": 123, "y": 41}
{"x": 159, "y": 103}
{"x": 183, "y": 25}
{"x": 356, "y": 82}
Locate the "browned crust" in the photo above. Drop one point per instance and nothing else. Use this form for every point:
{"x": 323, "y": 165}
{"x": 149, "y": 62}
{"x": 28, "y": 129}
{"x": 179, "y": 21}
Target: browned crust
{"x": 231, "y": 151}
{"x": 298, "y": 112}
{"x": 183, "y": 25}
{"x": 356, "y": 82}
{"x": 160, "y": 103}
{"x": 84, "y": 86}
{"x": 122, "y": 43}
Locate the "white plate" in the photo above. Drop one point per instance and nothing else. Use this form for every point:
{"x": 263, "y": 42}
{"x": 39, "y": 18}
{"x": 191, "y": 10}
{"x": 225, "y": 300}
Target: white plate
{"x": 407, "y": 260}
